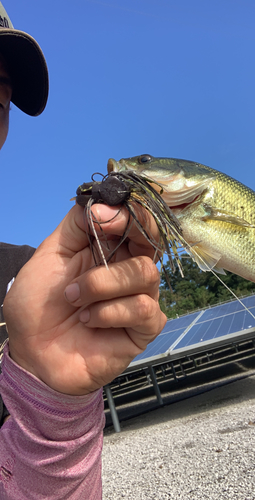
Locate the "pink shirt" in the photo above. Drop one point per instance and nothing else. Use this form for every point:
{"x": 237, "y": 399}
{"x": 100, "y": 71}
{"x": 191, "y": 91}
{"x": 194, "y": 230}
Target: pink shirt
{"x": 50, "y": 447}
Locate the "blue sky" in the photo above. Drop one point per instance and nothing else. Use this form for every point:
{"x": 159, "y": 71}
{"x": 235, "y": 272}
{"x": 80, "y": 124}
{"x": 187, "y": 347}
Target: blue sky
{"x": 169, "y": 78}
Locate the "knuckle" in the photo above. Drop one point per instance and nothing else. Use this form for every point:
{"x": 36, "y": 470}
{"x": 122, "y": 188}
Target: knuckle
{"x": 149, "y": 271}
{"x": 103, "y": 317}
{"x": 94, "y": 284}
{"x": 162, "y": 319}
{"x": 151, "y": 320}
{"x": 145, "y": 307}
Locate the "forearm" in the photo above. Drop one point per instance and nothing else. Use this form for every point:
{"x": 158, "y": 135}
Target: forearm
{"x": 51, "y": 445}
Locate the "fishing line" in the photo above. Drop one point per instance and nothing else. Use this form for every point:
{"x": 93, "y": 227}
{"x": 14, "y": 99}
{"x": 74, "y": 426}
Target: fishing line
{"x": 234, "y": 295}
{"x": 138, "y": 190}
{"x": 226, "y": 286}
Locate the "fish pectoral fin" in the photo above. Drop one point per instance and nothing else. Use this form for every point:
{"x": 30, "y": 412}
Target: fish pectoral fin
{"x": 205, "y": 259}
{"x": 224, "y": 216}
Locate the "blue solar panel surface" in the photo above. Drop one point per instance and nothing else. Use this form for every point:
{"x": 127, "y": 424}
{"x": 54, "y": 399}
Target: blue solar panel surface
{"x": 170, "y": 333}
{"x": 198, "y": 327}
{"x": 220, "y": 321}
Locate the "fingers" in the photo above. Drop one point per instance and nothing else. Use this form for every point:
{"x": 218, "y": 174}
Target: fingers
{"x": 126, "y": 278}
{"x": 123, "y": 296}
{"x": 71, "y": 236}
{"x": 139, "y": 313}
{"x": 114, "y": 221}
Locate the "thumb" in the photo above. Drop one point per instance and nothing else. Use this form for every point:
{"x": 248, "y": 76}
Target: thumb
{"x": 70, "y": 236}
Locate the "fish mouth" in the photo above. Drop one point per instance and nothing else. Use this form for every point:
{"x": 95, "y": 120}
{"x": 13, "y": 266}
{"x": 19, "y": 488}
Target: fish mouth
{"x": 177, "y": 192}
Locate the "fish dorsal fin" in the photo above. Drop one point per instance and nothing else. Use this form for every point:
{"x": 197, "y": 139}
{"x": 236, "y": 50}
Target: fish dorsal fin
{"x": 224, "y": 216}
{"x": 205, "y": 259}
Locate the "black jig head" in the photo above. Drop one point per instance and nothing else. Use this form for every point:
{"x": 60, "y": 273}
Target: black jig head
{"x": 132, "y": 190}
{"x": 111, "y": 191}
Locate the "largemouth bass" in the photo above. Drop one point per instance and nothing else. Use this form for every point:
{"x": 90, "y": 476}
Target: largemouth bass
{"x": 216, "y": 213}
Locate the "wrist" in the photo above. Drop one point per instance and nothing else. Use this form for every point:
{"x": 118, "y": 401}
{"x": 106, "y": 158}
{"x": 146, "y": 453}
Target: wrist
{"x": 20, "y": 360}
{"x": 51, "y": 377}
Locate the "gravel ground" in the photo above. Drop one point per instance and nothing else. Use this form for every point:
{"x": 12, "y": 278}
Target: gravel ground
{"x": 200, "y": 448}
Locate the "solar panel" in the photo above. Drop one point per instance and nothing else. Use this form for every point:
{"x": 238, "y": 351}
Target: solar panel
{"x": 201, "y": 329}
{"x": 170, "y": 334}
{"x": 228, "y": 308}
{"x": 179, "y": 323}
{"x": 220, "y": 322}
{"x": 159, "y": 346}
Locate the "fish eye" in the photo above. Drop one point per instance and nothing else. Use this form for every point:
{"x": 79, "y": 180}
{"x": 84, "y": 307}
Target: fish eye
{"x": 144, "y": 159}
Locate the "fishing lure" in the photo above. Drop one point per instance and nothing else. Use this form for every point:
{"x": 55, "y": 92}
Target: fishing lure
{"x": 132, "y": 190}
{"x": 126, "y": 188}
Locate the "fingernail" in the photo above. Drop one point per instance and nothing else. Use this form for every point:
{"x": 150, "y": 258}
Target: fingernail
{"x": 72, "y": 292}
{"x": 84, "y": 316}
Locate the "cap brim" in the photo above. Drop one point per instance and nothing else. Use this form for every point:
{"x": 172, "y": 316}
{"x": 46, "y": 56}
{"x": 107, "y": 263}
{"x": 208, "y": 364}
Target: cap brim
{"x": 28, "y": 70}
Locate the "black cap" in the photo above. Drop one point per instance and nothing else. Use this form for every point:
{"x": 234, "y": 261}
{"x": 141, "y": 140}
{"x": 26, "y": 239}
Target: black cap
{"x": 26, "y": 65}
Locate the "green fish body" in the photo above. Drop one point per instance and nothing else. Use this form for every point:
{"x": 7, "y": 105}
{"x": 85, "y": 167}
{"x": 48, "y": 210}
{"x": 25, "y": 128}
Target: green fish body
{"x": 216, "y": 212}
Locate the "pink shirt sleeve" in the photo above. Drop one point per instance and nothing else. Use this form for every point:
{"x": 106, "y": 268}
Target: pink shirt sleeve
{"x": 51, "y": 445}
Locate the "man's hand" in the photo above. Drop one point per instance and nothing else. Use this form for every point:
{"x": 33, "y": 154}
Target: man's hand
{"x": 76, "y": 326}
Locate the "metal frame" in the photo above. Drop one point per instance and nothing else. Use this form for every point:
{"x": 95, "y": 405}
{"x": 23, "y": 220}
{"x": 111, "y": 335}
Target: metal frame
{"x": 172, "y": 354}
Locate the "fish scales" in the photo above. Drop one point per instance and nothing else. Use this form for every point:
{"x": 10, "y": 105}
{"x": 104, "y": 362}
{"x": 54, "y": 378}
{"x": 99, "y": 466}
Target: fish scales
{"x": 216, "y": 212}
